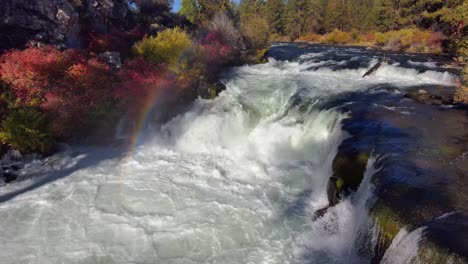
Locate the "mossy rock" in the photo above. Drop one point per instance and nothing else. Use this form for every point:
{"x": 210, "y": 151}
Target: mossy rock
{"x": 210, "y": 90}
{"x": 349, "y": 168}
{"x": 430, "y": 253}
{"x": 389, "y": 224}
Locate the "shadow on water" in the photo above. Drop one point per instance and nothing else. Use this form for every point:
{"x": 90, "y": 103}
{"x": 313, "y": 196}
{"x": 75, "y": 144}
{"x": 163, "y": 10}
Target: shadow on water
{"x": 92, "y": 158}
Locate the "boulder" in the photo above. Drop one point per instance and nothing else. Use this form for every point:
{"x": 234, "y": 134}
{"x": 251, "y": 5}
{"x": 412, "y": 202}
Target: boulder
{"x": 61, "y": 23}
{"x": 9, "y": 177}
{"x": 103, "y": 15}
{"x": 424, "y": 97}
{"x": 53, "y": 22}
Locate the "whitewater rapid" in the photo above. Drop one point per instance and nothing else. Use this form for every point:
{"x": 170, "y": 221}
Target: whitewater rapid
{"x": 236, "y": 179}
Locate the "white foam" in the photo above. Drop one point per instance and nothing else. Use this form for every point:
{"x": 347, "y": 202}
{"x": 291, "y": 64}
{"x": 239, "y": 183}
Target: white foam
{"x": 429, "y": 64}
{"x": 404, "y": 247}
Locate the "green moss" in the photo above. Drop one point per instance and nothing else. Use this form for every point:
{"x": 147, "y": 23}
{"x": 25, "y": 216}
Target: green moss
{"x": 388, "y": 222}
{"x": 432, "y": 254}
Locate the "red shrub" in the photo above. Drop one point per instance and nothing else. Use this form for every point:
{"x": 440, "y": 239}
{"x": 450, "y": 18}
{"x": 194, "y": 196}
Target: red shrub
{"x": 216, "y": 49}
{"x": 32, "y": 71}
{"x": 85, "y": 86}
{"x": 143, "y": 82}
{"x": 65, "y": 84}
{"x": 120, "y": 41}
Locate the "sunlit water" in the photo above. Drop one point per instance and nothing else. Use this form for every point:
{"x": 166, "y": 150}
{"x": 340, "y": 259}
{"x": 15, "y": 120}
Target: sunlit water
{"x": 236, "y": 179}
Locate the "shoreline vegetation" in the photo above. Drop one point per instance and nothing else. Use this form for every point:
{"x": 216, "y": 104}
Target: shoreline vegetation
{"x": 51, "y": 92}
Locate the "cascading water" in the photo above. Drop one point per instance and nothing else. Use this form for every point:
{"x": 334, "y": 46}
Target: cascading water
{"x": 236, "y": 179}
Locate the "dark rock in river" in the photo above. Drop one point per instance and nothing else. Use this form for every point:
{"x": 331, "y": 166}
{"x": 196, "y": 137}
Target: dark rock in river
{"x": 424, "y": 97}
{"x": 9, "y": 177}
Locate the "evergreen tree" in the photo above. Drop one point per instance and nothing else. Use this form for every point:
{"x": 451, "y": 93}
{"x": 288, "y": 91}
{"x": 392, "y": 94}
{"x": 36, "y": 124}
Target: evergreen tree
{"x": 209, "y": 8}
{"x": 296, "y": 17}
{"x": 189, "y": 9}
{"x": 382, "y": 16}
{"x": 336, "y": 15}
{"x": 254, "y": 24}
{"x": 274, "y": 12}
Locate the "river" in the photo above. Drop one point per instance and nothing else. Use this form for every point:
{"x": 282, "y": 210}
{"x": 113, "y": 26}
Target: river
{"x": 238, "y": 179}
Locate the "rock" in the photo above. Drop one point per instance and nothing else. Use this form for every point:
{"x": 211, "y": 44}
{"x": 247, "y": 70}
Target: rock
{"x": 333, "y": 191}
{"x": 51, "y": 21}
{"x": 210, "y": 90}
{"x": 111, "y": 58}
{"x": 9, "y": 177}
{"x": 424, "y": 97}
{"x": 61, "y": 23}
{"x": 101, "y": 15}
{"x": 349, "y": 166}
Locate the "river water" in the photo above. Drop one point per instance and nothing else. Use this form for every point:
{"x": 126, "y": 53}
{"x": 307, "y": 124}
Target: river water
{"x": 236, "y": 179}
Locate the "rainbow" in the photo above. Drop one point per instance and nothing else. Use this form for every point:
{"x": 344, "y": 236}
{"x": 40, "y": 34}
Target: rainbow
{"x": 143, "y": 112}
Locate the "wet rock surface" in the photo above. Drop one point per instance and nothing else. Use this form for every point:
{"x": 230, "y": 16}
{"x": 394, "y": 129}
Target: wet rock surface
{"x": 423, "y": 150}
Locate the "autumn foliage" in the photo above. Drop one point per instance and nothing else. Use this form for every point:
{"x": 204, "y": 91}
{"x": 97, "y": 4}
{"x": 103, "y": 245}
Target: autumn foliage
{"x": 141, "y": 81}
{"x": 49, "y": 94}
{"x": 64, "y": 84}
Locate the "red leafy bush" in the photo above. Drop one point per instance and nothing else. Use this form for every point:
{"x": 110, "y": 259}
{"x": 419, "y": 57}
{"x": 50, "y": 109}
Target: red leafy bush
{"x": 216, "y": 49}
{"x": 142, "y": 82}
{"x": 120, "y": 41}
{"x": 86, "y": 86}
{"x": 33, "y": 71}
{"x": 65, "y": 84}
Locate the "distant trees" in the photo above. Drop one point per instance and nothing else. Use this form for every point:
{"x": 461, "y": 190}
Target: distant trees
{"x": 297, "y": 18}
{"x": 274, "y": 13}
{"x": 189, "y": 9}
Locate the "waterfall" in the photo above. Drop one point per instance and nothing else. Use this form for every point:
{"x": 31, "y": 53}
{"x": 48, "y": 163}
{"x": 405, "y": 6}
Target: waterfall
{"x": 236, "y": 179}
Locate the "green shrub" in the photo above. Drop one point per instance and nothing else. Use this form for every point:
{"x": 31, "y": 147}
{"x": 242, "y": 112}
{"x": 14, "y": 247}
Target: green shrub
{"x": 461, "y": 94}
{"x": 380, "y": 38}
{"x": 337, "y": 37}
{"x": 310, "y": 37}
{"x": 166, "y": 47}
{"x": 256, "y": 31}
{"x": 26, "y": 130}
{"x": 411, "y": 39}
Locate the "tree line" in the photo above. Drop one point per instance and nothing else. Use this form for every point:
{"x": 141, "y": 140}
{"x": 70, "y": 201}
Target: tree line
{"x": 295, "y": 18}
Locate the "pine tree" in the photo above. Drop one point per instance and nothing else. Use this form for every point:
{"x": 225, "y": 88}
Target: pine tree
{"x": 296, "y": 17}
{"x": 209, "y": 8}
{"x": 382, "y": 16}
{"x": 189, "y": 9}
{"x": 254, "y": 24}
{"x": 336, "y": 15}
{"x": 274, "y": 12}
